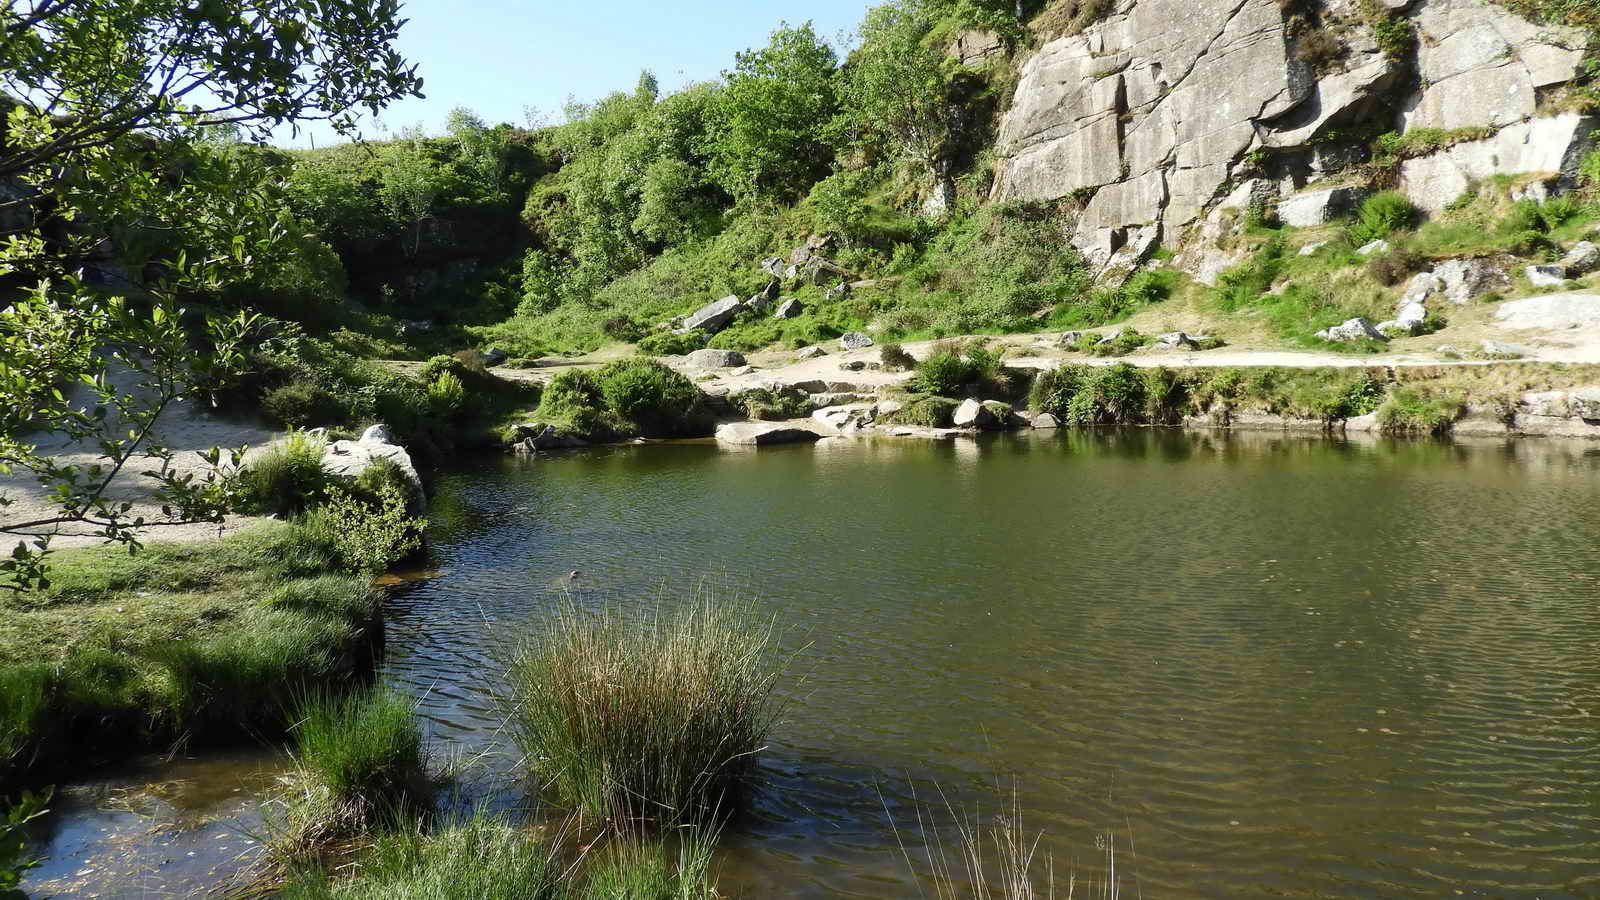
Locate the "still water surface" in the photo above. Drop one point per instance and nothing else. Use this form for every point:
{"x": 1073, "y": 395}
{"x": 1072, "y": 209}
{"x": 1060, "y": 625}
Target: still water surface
{"x": 1267, "y": 667}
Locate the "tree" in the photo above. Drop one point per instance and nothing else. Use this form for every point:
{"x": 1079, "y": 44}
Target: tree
{"x": 895, "y": 84}
{"x": 110, "y": 151}
{"x": 770, "y": 133}
{"x": 480, "y": 150}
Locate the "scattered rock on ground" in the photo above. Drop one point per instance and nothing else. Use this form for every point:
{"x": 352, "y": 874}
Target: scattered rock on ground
{"x": 811, "y": 352}
{"x": 761, "y": 434}
{"x": 1582, "y": 259}
{"x": 536, "y": 436}
{"x": 773, "y": 266}
{"x": 1585, "y": 403}
{"x": 972, "y": 414}
{"x": 715, "y": 359}
{"x": 1351, "y": 330}
{"x": 1466, "y": 280}
{"x": 1503, "y": 350}
{"x": 789, "y": 309}
{"x": 855, "y": 340}
{"x": 1311, "y": 248}
{"x": 1379, "y": 246}
{"x": 1546, "y": 276}
{"x": 713, "y": 316}
{"x": 1176, "y": 339}
{"x": 1319, "y": 207}
{"x": 854, "y": 365}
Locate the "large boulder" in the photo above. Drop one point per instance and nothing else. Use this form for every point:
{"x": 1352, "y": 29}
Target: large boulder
{"x": 713, "y": 317}
{"x": 1582, "y": 259}
{"x": 1545, "y": 276}
{"x": 789, "y": 309}
{"x": 1466, "y": 280}
{"x": 761, "y": 434}
{"x": 972, "y": 414}
{"x": 1321, "y": 206}
{"x": 1585, "y": 403}
{"x": 1554, "y": 144}
{"x": 1351, "y": 330}
{"x": 1551, "y": 312}
{"x": 348, "y": 459}
{"x": 715, "y": 359}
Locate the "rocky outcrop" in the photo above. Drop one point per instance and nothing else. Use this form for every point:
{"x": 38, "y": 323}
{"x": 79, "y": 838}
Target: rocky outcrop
{"x": 348, "y": 459}
{"x": 1168, "y": 110}
{"x": 1551, "y": 312}
{"x": 762, "y": 434}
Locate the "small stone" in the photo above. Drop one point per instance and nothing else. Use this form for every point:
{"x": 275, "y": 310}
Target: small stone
{"x": 1311, "y": 248}
{"x": 811, "y": 352}
{"x": 773, "y": 266}
{"x": 855, "y": 340}
{"x": 1379, "y": 246}
{"x": 1582, "y": 259}
{"x": 1046, "y": 420}
{"x": 854, "y": 365}
{"x": 1546, "y": 276}
{"x": 1351, "y": 330}
{"x": 1503, "y": 350}
{"x": 1175, "y": 339}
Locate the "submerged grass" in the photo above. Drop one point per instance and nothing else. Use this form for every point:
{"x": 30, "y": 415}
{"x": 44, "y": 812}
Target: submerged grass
{"x": 646, "y": 719}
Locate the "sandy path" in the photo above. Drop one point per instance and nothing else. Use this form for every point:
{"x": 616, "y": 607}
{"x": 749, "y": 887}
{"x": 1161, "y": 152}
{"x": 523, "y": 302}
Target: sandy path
{"x": 183, "y": 428}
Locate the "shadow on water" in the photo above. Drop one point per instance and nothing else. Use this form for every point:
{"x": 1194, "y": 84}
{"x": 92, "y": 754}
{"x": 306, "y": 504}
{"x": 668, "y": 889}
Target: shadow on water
{"x": 1283, "y": 666}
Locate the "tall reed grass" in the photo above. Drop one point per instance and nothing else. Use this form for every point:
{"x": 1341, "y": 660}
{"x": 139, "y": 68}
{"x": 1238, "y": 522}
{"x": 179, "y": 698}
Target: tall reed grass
{"x": 646, "y": 719}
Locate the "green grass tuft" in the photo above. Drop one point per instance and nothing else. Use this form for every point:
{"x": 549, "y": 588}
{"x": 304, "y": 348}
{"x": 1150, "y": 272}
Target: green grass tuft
{"x": 656, "y": 718}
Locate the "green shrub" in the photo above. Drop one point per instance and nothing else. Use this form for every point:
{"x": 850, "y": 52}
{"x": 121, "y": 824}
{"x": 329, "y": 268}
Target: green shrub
{"x": 895, "y": 358}
{"x": 1128, "y": 341}
{"x": 1381, "y": 215}
{"x": 301, "y": 404}
{"x": 288, "y": 477}
{"x": 1107, "y": 395}
{"x": 943, "y": 372}
{"x": 1589, "y": 169}
{"x": 1418, "y": 410}
{"x": 447, "y": 396}
{"x": 365, "y": 536}
{"x": 769, "y": 405}
{"x": 636, "y": 396}
{"x": 667, "y": 343}
{"x": 1393, "y": 267}
{"x": 954, "y": 370}
{"x": 656, "y": 718}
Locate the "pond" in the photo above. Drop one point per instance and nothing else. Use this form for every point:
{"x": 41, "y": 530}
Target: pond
{"x": 1253, "y": 666}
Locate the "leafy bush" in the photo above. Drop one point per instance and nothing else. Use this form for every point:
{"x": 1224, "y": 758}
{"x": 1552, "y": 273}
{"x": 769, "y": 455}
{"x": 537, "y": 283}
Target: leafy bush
{"x": 1106, "y": 395}
{"x": 287, "y": 477}
{"x": 954, "y": 371}
{"x": 1381, "y": 215}
{"x": 667, "y": 343}
{"x": 1419, "y": 410}
{"x": 636, "y": 396}
{"x": 895, "y": 358}
{"x": 1589, "y": 169}
{"x": 645, "y": 718}
{"x": 1128, "y": 341}
{"x": 447, "y": 396}
{"x": 771, "y": 405}
{"x": 1393, "y": 267}
{"x": 301, "y": 404}
{"x": 366, "y": 536}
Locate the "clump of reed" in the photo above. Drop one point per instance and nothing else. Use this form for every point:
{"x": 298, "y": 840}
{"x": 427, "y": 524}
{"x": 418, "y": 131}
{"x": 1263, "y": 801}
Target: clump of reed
{"x": 360, "y": 764}
{"x": 648, "y": 719}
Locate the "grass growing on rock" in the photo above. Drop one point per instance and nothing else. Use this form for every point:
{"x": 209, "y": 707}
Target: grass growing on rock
{"x": 206, "y": 641}
{"x": 655, "y": 718}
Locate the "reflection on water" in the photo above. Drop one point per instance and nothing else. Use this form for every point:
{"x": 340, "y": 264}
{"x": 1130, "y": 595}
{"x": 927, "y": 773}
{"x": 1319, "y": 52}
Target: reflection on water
{"x": 1278, "y": 667}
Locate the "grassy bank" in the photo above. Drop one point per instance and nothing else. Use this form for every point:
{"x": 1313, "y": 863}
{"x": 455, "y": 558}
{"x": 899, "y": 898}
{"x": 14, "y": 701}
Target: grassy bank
{"x": 198, "y": 643}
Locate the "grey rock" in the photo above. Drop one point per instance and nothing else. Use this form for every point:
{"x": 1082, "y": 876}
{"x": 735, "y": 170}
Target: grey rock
{"x": 974, "y": 46}
{"x": 1545, "y": 276}
{"x": 1175, "y": 339}
{"x": 811, "y": 352}
{"x": 889, "y": 407}
{"x": 1069, "y": 339}
{"x": 789, "y": 309}
{"x": 854, "y": 365}
{"x": 743, "y": 370}
{"x": 1550, "y": 312}
{"x": 1466, "y": 280}
{"x": 1351, "y": 330}
{"x": 846, "y": 418}
{"x": 1585, "y": 403}
{"x": 715, "y": 359}
{"x": 1421, "y": 286}
{"x": 1313, "y": 247}
{"x": 842, "y": 289}
{"x": 377, "y": 434}
{"x": 1582, "y": 259}
{"x": 714, "y": 317}
{"x": 1379, "y": 246}
{"x": 1319, "y": 207}
{"x": 1544, "y": 403}
{"x": 840, "y": 398}
{"x": 1111, "y": 336}
{"x": 855, "y": 340}
{"x": 762, "y": 434}
{"x": 348, "y": 459}
{"x": 493, "y": 356}
{"x": 1503, "y": 350}
{"x": 774, "y": 266}
{"x": 418, "y": 326}
{"x": 1543, "y": 144}
{"x": 972, "y": 414}
{"x": 537, "y": 436}
{"x": 1045, "y": 420}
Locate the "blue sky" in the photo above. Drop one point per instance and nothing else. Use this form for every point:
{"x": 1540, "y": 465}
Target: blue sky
{"x": 498, "y": 56}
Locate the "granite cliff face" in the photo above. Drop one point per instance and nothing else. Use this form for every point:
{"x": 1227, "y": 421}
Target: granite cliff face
{"x": 1168, "y": 111}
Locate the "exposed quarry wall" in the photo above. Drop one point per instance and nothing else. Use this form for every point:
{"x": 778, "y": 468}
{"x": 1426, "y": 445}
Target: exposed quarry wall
{"x": 1168, "y": 110}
